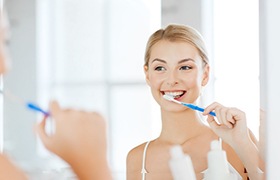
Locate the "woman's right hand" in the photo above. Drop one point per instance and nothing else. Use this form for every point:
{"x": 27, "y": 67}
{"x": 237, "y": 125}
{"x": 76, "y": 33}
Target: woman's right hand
{"x": 230, "y": 124}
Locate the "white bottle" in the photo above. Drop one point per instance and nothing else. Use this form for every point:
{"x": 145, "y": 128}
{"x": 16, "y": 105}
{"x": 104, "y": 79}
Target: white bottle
{"x": 217, "y": 164}
{"x": 180, "y": 164}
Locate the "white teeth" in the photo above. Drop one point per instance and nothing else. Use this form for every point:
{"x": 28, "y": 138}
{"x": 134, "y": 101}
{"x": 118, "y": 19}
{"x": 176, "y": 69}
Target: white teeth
{"x": 174, "y": 94}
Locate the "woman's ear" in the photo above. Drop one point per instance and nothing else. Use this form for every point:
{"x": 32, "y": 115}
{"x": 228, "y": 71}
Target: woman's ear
{"x": 146, "y": 71}
{"x": 205, "y": 77}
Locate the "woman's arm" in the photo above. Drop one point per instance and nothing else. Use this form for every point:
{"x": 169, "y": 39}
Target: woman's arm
{"x": 250, "y": 156}
{"x": 9, "y": 171}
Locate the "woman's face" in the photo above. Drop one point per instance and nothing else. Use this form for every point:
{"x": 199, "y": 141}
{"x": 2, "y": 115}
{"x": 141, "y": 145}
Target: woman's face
{"x": 175, "y": 68}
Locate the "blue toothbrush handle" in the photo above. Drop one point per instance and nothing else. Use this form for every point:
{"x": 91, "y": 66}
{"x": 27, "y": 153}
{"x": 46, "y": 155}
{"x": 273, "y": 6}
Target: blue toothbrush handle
{"x": 37, "y": 108}
{"x": 202, "y": 110}
{"x": 212, "y": 113}
{"x": 199, "y": 109}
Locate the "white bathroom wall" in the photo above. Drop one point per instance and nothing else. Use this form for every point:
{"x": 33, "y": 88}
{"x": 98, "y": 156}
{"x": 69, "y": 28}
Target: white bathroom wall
{"x": 19, "y": 139}
{"x": 270, "y": 84}
{"x": 183, "y": 12}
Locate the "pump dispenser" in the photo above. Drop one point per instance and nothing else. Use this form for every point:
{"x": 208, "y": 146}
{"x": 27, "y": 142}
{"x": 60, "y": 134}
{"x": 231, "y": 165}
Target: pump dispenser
{"x": 181, "y": 165}
{"x": 217, "y": 164}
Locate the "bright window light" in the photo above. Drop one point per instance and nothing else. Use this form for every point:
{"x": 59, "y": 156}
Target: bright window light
{"x": 236, "y": 57}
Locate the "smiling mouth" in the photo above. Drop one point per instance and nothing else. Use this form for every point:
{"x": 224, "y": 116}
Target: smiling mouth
{"x": 175, "y": 94}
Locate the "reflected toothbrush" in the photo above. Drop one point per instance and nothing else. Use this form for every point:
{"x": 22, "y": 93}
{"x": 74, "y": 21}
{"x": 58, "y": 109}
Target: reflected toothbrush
{"x": 29, "y": 105}
{"x": 191, "y": 106}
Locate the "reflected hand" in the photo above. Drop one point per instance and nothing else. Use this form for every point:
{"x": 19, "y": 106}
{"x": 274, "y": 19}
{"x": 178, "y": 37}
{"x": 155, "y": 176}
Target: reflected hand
{"x": 79, "y": 139}
{"x": 77, "y": 133}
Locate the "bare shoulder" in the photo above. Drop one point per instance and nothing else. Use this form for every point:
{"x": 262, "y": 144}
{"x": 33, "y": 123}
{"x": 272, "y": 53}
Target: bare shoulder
{"x": 136, "y": 153}
{"x": 134, "y": 162}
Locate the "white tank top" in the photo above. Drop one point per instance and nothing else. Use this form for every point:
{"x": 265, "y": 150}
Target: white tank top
{"x": 144, "y": 171}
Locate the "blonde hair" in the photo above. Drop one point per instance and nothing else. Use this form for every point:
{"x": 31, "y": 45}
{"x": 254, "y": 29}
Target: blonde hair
{"x": 175, "y": 33}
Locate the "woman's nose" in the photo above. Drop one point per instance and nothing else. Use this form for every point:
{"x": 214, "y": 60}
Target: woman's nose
{"x": 172, "y": 84}
{"x": 172, "y": 79}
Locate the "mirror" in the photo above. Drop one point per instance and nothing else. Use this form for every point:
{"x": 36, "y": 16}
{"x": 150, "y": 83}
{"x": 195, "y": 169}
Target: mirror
{"x": 59, "y": 52}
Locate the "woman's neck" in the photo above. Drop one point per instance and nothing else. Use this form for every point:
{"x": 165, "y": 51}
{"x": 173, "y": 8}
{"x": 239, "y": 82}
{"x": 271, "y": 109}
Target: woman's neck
{"x": 179, "y": 127}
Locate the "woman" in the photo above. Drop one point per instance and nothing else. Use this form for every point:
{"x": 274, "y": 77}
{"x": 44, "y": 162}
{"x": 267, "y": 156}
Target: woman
{"x": 176, "y": 64}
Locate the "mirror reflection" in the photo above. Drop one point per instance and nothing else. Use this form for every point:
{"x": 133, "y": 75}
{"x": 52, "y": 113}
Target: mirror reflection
{"x": 90, "y": 55}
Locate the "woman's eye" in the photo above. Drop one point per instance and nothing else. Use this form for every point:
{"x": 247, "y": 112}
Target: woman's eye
{"x": 159, "y": 68}
{"x": 185, "y": 68}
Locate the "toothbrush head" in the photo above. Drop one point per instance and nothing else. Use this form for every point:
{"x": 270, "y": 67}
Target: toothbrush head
{"x": 171, "y": 98}
{"x": 168, "y": 97}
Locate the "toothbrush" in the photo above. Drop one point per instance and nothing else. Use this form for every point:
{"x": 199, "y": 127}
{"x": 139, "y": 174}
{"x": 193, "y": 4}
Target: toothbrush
{"x": 29, "y": 105}
{"x": 35, "y": 107}
{"x": 191, "y": 106}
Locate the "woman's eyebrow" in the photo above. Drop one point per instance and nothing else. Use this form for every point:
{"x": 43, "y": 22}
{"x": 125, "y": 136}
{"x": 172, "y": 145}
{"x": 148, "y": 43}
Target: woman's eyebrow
{"x": 160, "y": 60}
{"x": 186, "y": 60}
{"x": 181, "y": 61}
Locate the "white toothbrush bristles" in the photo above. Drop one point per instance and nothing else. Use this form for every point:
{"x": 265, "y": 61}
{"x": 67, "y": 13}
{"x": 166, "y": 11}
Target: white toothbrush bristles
{"x": 171, "y": 98}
